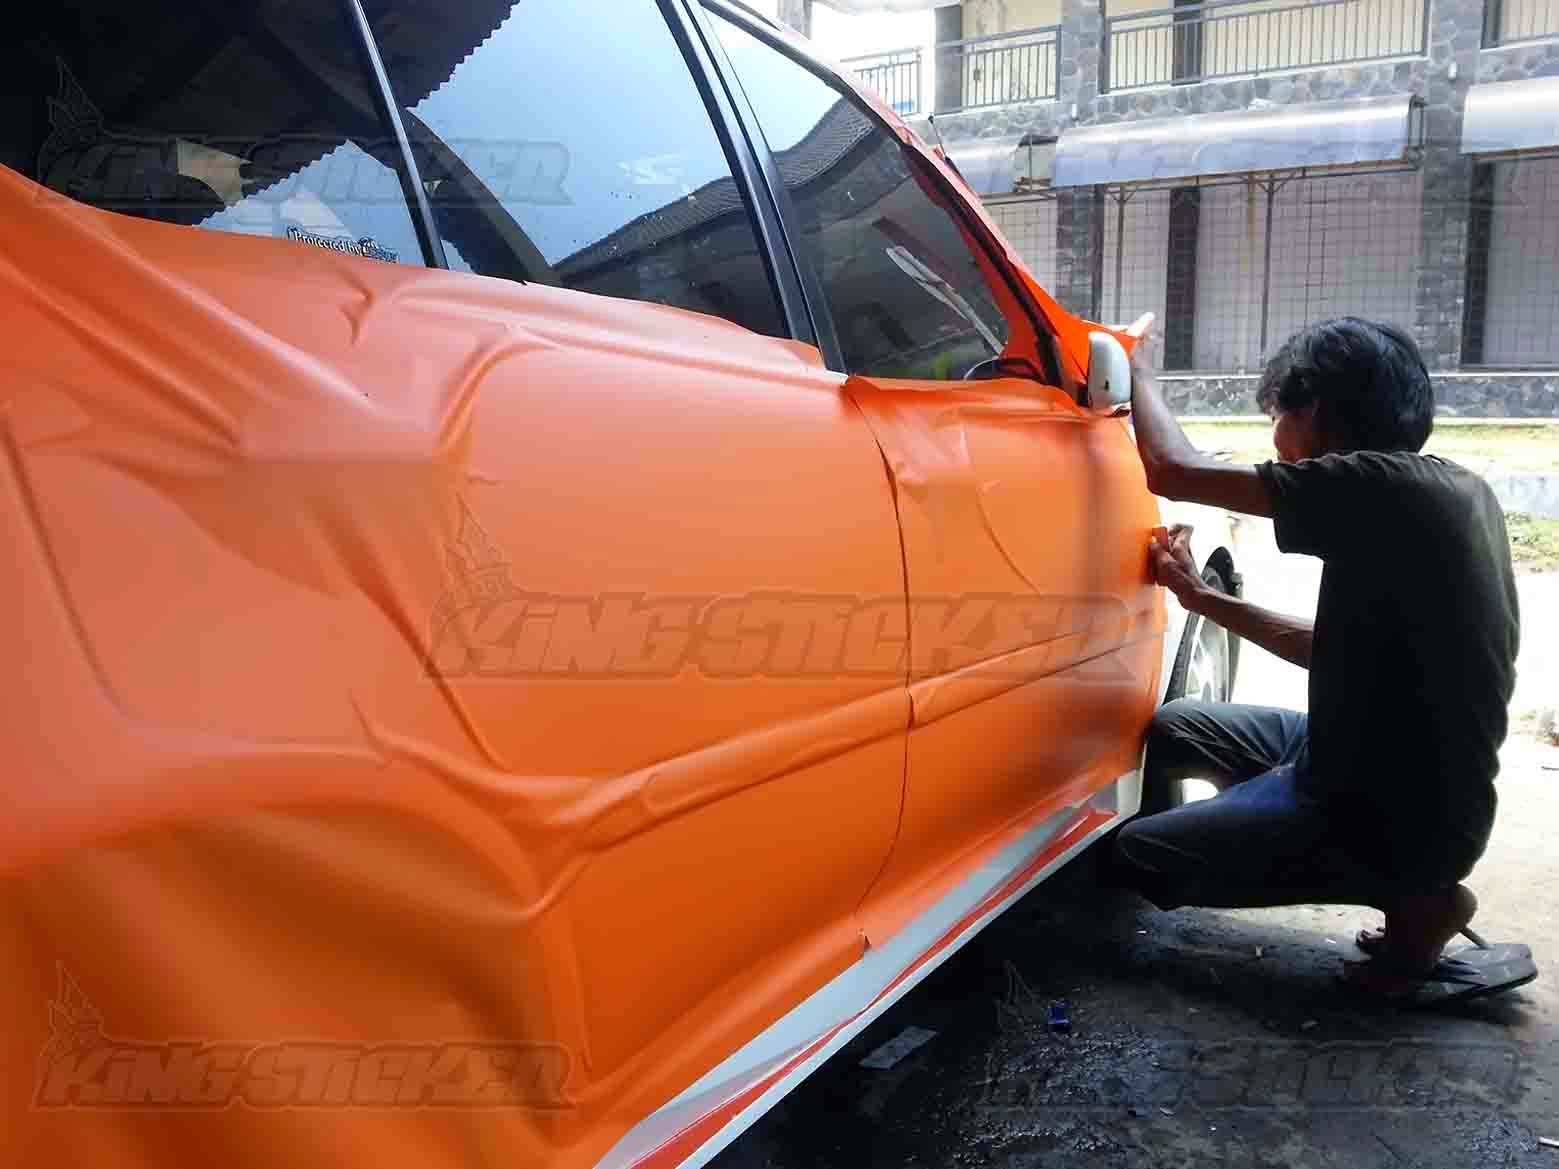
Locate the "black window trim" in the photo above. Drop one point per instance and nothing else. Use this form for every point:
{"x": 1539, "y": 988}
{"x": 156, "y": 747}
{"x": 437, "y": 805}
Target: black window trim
{"x": 745, "y": 163}
{"x": 367, "y": 50}
{"x": 815, "y": 300}
{"x": 741, "y": 17}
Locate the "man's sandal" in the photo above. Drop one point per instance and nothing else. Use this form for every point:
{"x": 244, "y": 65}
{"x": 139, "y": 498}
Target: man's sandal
{"x": 1471, "y": 972}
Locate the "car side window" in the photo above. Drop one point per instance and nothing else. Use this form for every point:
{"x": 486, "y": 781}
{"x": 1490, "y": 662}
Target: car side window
{"x": 905, "y": 289}
{"x": 568, "y": 143}
{"x": 257, "y": 119}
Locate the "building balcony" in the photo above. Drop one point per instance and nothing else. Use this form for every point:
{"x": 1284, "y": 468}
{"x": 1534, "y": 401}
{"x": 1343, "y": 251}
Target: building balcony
{"x": 973, "y": 73}
{"x": 1002, "y": 69}
{"x": 895, "y": 74}
{"x": 1519, "y": 22}
{"x": 1189, "y": 43}
{"x": 1183, "y": 43}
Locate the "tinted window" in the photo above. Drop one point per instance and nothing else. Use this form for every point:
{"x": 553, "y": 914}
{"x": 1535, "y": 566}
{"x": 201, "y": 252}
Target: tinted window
{"x": 562, "y": 146}
{"x": 906, "y": 293}
{"x": 248, "y": 118}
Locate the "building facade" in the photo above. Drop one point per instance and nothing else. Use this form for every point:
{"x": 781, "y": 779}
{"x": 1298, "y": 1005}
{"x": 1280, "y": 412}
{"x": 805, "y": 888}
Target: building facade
{"x": 1241, "y": 167}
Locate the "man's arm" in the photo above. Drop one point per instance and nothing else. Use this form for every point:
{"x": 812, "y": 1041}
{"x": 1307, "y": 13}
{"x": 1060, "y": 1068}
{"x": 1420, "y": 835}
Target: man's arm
{"x": 1177, "y": 470}
{"x": 1174, "y": 568}
{"x": 1286, "y": 637}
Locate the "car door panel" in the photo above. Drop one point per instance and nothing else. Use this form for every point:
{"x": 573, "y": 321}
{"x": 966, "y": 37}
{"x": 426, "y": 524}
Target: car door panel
{"x": 1034, "y": 631}
{"x": 432, "y": 715}
{"x": 803, "y": 512}
{"x": 1024, "y": 518}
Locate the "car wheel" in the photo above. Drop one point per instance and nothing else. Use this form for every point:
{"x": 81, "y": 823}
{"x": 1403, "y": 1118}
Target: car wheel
{"x": 1203, "y": 671}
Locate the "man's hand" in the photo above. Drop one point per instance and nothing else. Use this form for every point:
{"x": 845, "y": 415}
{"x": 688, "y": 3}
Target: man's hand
{"x": 1174, "y": 568}
{"x": 1144, "y": 356}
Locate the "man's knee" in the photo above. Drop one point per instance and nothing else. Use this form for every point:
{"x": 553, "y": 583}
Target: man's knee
{"x": 1172, "y": 720}
{"x": 1127, "y": 845}
{"x": 1141, "y": 860}
{"x": 1173, "y": 743}
{"x": 1141, "y": 846}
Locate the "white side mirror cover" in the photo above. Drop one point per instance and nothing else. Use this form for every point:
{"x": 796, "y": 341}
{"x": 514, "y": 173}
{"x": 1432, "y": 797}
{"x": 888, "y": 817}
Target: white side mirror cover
{"x": 1109, "y": 375}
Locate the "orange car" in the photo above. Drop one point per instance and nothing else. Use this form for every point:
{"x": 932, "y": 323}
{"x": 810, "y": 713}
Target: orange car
{"x": 559, "y": 565}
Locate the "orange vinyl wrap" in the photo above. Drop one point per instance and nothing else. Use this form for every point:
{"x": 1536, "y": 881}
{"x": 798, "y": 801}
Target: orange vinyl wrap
{"x": 398, "y": 767}
{"x": 259, "y": 792}
{"x": 1033, "y": 514}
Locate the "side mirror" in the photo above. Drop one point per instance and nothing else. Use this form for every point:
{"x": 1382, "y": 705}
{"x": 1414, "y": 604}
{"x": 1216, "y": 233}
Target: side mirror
{"x": 1109, "y": 375}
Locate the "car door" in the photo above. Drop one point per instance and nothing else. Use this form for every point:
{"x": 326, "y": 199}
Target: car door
{"x": 653, "y": 465}
{"x": 508, "y": 667}
{"x": 1033, "y": 629}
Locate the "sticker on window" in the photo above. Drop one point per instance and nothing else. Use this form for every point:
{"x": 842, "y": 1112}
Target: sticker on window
{"x": 365, "y": 247}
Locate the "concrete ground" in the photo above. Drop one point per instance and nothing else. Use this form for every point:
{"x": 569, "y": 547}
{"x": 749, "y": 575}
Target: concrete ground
{"x": 1214, "y": 1037}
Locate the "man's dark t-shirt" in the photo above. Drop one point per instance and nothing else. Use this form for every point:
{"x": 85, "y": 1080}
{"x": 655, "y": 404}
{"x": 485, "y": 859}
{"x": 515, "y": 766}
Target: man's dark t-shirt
{"x": 1413, "y": 661}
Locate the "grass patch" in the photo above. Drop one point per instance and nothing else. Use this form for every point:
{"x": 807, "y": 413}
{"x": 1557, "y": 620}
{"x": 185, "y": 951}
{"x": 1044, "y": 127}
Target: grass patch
{"x": 1511, "y": 448}
{"x": 1535, "y": 724}
{"x": 1478, "y": 446}
{"x": 1534, "y": 542}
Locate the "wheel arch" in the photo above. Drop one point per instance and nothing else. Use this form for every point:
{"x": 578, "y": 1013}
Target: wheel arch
{"x": 1223, "y": 560}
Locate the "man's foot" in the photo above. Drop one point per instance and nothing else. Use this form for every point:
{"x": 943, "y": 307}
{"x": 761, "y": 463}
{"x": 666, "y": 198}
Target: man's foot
{"x": 1372, "y": 941}
{"x": 1406, "y": 950}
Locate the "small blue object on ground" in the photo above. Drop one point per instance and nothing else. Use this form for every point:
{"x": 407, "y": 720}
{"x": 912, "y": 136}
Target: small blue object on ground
{"x": 1061, "y": 1017}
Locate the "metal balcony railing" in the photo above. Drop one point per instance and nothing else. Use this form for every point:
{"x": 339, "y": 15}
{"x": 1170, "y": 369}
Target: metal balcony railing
{"x": 1234, "y": 38}
{"x": 1512, "y": 22}
{"x": 1001, "y": 69}
{"x": 895, "y": 75}
{"x": 979, "y": 71}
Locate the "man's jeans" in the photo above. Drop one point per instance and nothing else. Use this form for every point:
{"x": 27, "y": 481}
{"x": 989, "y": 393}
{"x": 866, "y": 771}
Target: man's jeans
{"x": 1261, "y": 841}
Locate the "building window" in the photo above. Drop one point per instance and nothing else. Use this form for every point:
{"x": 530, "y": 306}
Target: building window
{"x": 1030, "y": 226}
{"x": 1513, "y": 280}
{"x": 1136, "y": 254}
{"x": 1275, "y": 254}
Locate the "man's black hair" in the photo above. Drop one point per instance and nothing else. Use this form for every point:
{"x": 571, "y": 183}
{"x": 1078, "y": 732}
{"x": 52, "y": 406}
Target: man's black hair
{"x": 1366, "y": 380}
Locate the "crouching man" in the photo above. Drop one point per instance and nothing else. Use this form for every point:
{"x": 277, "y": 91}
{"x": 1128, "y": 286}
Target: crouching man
{"x": 1383, "y": 795}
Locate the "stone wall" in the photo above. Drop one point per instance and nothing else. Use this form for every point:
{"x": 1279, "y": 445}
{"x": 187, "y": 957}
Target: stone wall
{"x": 1455, "y": 34}
{"x": 1079, "y": 85}
{"x": 1376, "y": 79}
{"x": 1519, "y": 61}
{"x": 1498, "y": 395}
{"x": 1079, "y": 238}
